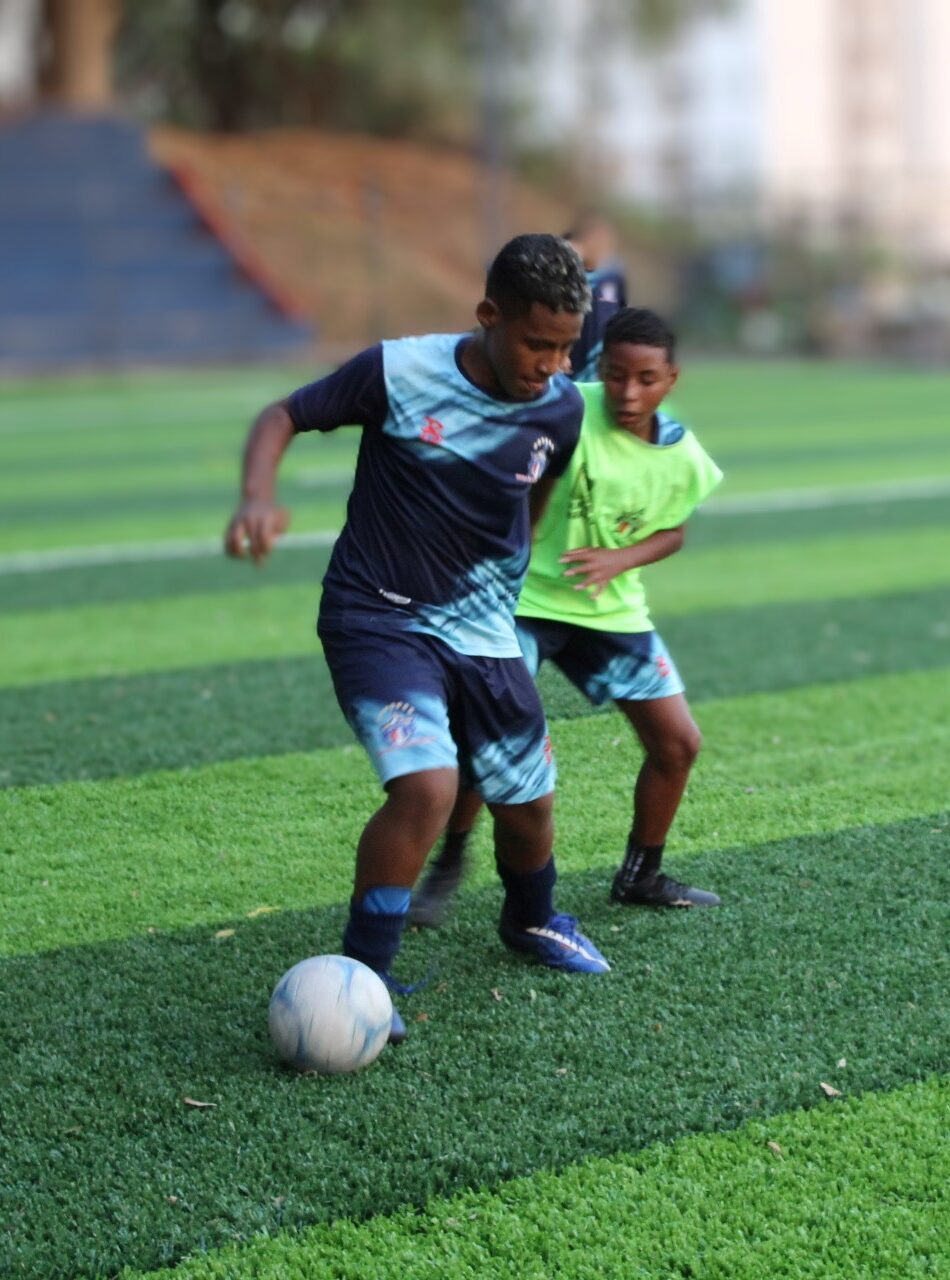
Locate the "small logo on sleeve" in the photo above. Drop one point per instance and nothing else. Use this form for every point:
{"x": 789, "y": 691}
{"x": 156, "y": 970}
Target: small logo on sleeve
{"x": 541, "y": 452}
{"x": 432, "y": 430}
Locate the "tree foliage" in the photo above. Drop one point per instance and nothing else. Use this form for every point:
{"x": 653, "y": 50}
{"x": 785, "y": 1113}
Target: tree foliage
{"x": 384, "y": 66}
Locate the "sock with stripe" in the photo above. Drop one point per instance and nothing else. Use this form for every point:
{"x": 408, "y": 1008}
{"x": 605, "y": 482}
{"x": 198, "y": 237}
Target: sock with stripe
{"x": 640, "y": 861}
{"x": 374, "y": 929}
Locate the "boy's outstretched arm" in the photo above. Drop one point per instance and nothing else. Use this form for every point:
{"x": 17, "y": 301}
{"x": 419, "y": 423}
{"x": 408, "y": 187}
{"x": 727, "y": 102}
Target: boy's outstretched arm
{"x": 258, "y": 521}
{"x": 599, "y": 565}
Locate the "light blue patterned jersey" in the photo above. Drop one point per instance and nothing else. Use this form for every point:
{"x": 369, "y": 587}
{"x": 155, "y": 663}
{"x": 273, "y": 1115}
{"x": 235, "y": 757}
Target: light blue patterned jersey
{"x": 437, "y": 531}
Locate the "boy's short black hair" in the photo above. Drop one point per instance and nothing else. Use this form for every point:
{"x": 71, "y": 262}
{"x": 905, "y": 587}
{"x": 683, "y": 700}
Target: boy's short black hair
{"x": 538, "y": 268}
{"x": 641, "y": 327}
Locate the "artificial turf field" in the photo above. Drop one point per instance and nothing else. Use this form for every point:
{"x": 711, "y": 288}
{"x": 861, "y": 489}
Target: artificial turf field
{"x": 180, "y": 804}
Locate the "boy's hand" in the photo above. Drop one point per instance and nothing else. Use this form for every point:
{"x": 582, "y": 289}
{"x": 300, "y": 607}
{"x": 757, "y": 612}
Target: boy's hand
{"x": 599, "y": 565}
{"x": 255, "y": 527}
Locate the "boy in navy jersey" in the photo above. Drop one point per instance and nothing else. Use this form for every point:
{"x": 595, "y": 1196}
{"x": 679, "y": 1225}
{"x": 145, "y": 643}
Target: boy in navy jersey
{"x": 463, "y": 436}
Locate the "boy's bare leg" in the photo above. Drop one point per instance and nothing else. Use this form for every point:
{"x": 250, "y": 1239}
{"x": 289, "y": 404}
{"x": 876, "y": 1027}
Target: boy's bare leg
{"x": 390, "y": 855}
{"x": 399, "y": 835}
{"x": 671, "y": 741}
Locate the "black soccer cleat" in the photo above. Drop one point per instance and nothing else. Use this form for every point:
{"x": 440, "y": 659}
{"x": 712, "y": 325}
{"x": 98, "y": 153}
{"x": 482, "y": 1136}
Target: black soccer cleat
{"x": 432, "y": 899}
{"x": 659, "y": 890}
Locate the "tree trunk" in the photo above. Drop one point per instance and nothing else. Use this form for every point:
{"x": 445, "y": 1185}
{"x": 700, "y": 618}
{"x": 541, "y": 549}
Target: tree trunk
{"x": 79, "y": 35}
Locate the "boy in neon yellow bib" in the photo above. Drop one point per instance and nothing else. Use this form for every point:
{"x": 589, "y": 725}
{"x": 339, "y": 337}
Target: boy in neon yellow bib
{"x": 632, "y": 483}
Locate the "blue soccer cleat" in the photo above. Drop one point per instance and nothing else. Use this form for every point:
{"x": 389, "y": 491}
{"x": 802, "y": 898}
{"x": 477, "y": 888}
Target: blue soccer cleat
{"x": 558, "y": 945}
{"x": 397, "y": 1032}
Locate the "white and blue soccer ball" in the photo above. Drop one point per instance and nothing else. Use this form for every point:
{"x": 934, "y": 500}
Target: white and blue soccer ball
{"x": 330, "y": 1014}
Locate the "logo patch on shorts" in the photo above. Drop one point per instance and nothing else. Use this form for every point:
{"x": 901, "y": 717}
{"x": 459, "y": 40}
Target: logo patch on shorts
{"x": 548, "y": 750}
{"x": 663, "y": 666}
{"x": 397, "y": 723}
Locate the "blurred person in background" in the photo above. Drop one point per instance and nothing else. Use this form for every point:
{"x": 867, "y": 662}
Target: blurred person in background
{"x": 594, "y": 238}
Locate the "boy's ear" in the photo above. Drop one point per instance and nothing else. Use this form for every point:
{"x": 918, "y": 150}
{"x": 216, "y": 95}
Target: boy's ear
{"x": 487, "y": 313}
{"x": 674, "y": 375}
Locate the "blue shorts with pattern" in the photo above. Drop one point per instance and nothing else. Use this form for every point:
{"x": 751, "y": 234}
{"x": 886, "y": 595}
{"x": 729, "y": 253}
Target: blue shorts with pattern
{"x": 607, "y": 666}
{"x": 414, "y": 704}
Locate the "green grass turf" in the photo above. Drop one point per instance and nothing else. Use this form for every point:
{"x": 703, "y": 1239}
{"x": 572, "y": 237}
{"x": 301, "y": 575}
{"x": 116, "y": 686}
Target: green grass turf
{"x": 89, "y": 462}
{"x": 109, "y": 726}
{"x": 860, "y": 1187}
{"x": 93, "y": 861}
{"x": 277, "y": 620}
{"x": 822, "y": 953}
{"x": 114, "y": 583}
{"x": 815, "y": 645}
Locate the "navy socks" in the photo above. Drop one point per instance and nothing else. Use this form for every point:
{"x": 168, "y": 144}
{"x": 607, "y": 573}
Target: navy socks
{"x": 529, "y": 895}
{"x": 374, "y": 929}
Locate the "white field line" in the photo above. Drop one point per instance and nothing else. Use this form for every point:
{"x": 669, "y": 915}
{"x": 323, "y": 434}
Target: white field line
{"x": 832, "y": 496}
{"x": 199, "y": 548}
{"x": 139, "y": 552}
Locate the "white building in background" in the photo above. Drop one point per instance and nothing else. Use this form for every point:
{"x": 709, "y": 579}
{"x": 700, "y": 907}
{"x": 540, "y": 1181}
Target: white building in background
{"x": 832, "y": 113}
{"x": 18, "y": 33}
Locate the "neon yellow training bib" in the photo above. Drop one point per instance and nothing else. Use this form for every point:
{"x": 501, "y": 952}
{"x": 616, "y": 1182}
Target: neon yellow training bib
{"x": 617, "y": 490}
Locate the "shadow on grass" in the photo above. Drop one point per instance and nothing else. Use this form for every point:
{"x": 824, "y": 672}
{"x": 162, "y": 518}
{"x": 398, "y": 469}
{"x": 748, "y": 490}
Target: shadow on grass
{"x": 828, "y": 948}
{"x": 117, "y": 727}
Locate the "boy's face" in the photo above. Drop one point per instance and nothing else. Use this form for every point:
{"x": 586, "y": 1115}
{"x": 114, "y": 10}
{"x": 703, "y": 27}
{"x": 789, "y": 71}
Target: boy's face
{"x": 525, "y": 351}
{"x": 636, "y": 380}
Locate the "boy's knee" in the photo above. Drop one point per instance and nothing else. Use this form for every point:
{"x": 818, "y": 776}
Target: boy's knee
{"x": 428, "y": 796}
{"x": 677, "y": 753}
{"x": 527, "y": 820}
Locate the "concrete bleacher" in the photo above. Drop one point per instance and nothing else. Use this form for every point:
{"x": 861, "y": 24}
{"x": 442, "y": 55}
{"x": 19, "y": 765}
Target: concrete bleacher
{"x": 105, "y": 260}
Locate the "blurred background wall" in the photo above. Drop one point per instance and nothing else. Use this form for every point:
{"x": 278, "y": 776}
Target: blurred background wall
{"x": 780, "y": 174}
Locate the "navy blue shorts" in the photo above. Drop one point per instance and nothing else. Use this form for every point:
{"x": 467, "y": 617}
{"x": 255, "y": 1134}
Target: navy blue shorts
{"x": 607, "y": 666}
{"x": 415, "y": 704}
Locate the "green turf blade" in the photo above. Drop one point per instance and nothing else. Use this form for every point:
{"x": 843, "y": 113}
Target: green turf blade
{"x": 212, "y": 573}
{"x": 87, "y": 861}
{"x": 707, "y": 1020}
{"x": 100, "y": 728}
{"x": 857, "y": 1187}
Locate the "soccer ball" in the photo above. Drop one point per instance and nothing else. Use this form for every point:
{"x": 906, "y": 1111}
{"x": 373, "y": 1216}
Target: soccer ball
{"x": 330, "y": 1014}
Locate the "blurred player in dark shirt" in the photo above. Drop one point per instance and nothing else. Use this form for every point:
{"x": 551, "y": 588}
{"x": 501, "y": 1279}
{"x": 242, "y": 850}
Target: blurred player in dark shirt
{"x": 595, "y": 240}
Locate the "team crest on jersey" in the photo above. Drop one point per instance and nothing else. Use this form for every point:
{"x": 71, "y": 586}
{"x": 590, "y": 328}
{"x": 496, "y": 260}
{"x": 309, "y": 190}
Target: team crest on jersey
{"x": 541, "y": 452}
{"x": 397, "y": 724}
